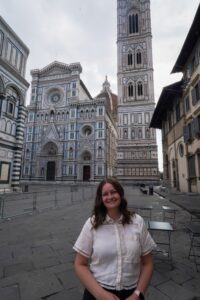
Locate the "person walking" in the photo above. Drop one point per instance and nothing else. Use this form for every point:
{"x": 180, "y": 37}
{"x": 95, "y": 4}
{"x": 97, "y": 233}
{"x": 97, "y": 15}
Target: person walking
{"x": 113, "y": 251}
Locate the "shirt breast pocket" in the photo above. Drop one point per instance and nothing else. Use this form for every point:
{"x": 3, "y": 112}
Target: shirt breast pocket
{"x": 133, "y": 248}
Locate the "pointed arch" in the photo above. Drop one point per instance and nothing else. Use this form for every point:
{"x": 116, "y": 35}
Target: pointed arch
{"x": 130, "y": 89}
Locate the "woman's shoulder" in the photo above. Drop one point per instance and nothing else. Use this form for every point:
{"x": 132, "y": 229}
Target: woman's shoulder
{"x": 89, "y": 222}
{"x": 137, "y": 219}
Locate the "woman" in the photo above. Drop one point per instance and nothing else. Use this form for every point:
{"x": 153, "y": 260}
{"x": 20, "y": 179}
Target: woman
{"x": 113, "y": 259}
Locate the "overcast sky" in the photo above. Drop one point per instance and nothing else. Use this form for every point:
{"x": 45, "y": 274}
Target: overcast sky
{"x": 85, "y": 31}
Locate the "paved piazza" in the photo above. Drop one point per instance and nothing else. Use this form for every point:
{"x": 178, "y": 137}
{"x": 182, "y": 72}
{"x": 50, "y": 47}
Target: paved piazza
{"x": 36, "y": 256}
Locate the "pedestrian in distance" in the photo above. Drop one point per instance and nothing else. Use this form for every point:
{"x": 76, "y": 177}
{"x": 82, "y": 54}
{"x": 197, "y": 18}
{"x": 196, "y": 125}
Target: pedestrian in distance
{"x": 113, "y": 251}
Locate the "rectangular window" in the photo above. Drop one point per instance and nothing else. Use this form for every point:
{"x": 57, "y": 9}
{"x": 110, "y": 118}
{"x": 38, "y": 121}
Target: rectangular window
{"x": 71, "y": 135}
{"x": 10, "y": 108}
{"x": 100, "y": 134}
{"x": 74, "y": 84}
{"x": 187, "y": 104}
{"x": 31, "y": 117}
{"x": 100, "y": 125}
{"x": 72, "y": 113}
{"x": 100, "y": 171}
{"x": 74, "y": 93}
{"x": 191, "y": 167}
{"x": 196, "y": 94}
{"x": 100, "y": 111}
{"x": 72, "y": 126}
{"x": 178, "y": 113}
{"x": 70, "y": 170}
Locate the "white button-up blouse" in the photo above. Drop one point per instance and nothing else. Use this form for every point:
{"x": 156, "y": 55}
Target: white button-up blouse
{"x": 114, "y": 251}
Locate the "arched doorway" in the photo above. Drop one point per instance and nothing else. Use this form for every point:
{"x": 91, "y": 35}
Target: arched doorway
{"x": 86, "y": 173}
{"x": 86, "y": 157}
{"x": 51, "y": 168}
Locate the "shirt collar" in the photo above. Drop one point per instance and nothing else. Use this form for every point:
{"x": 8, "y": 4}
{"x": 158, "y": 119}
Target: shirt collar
{"x": 109, "y": 220}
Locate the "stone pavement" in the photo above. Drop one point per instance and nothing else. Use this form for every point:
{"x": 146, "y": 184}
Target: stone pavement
{"x": 36, "y": 256}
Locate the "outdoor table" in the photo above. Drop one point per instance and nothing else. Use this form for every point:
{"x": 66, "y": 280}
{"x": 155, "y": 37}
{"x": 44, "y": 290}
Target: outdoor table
{"x": 194, "y": 230}
{"x": 145, "y": 210}
{"x": 195, "y": 215}
{"x": 169, "y": 213}
{"x": 165, "y": 227}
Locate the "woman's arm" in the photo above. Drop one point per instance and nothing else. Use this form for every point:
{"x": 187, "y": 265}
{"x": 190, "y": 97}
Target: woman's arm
{"x": 145, "y": 275}
{"x": 88, "y": 280}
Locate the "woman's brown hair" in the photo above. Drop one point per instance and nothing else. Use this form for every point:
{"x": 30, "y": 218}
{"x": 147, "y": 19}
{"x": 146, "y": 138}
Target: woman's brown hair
{"x": 99, "y": 211}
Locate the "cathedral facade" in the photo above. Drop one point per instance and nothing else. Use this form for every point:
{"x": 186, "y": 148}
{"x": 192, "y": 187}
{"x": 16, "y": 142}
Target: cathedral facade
{"x": 69, "y": 136}
{"x": 137, "y": 150}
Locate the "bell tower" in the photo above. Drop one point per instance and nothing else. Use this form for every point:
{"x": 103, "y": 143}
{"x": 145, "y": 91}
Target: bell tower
{"x": 137, "y": 159}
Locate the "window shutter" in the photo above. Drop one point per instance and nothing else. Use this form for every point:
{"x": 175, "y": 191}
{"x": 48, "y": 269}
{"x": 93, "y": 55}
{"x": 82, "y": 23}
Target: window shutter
{"x": 198, "y": 90}
{"x": 194, "y": 100}
{"x": 193, "y": 131}
{"x": 186, "y": 134}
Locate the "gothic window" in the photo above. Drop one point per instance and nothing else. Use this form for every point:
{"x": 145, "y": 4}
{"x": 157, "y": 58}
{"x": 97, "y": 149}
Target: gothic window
{"x": 130, "y": 59}
{"x": 140, "y": 89}
{"x": 51, "y": 114}
{"x": 133, "y": 134}
{"x": 139, "y": 57}
{"x": 27, "y": 153}
{"x": 2, "y": 125}
{"x": 81, "y": 114}
{"x": 100, "y": 152}
{"x": 147, "y": 133}
{"x": 8, "y": 127}
{"x": 139, "y": 133}
{"x": 133, "y": 23}
{"x": 125, "y": 133}
{"x": 130, "y": 89}
{"x": 13, "y": 131}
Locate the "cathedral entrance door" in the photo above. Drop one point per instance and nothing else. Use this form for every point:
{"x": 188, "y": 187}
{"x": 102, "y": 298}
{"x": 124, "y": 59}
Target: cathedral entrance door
{"x": 51, "y": 167}
{"x": 86, "y": 173}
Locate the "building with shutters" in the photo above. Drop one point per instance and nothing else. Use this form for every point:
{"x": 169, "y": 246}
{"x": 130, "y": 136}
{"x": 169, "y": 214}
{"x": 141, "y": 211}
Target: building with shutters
{"x": 177, "y": 114}
{"x": 137, "y": 160}
{"x": 13, "y": 87}
{"x": 69, "y": 136}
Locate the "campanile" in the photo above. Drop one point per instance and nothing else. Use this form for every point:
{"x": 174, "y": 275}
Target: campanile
{"x": 137, "y": 159}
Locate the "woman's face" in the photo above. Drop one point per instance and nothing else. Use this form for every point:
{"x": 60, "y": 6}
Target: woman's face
{"x": 110, "y": 197}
